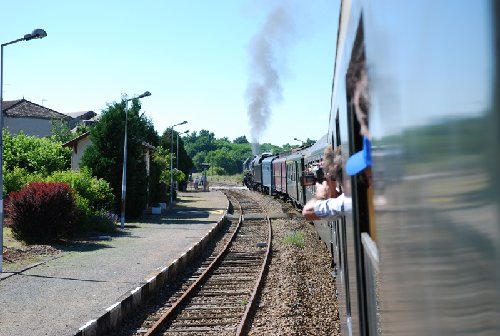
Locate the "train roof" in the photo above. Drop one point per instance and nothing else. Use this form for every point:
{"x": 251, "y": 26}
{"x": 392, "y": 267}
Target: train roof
{"x": 269, "y": 159}
{"x": 258, "y": 159}
{"x": 280, "y": 158}
{"x": 318, "y": 148}
{"x": 295, "y": 156}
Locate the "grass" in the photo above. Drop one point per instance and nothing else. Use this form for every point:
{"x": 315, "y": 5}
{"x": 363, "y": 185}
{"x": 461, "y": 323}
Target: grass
{"x": 9, "y": 240}
{"x": 295, "y": 238}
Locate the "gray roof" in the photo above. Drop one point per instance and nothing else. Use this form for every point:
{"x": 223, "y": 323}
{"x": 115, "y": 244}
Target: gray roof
{"x": 85, "y": 115}
{"x": 22, "y": 108}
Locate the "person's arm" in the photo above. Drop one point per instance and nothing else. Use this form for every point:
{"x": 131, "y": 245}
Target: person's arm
{"x": 308, "y": 210}
{"x": 322, "y": 192}
{"x": 324, "y": 209}
{"x": 329, "y": 209}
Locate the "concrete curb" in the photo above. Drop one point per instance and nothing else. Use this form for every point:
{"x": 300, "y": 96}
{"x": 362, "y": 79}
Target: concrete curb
{"x": 116, "y": 313}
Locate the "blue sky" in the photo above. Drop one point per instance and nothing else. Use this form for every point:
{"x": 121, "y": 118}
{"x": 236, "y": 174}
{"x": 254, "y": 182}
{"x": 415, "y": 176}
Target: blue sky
{"x": 194, "y": 57}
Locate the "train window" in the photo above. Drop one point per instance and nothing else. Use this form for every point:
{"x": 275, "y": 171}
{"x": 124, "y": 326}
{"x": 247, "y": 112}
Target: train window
{"x": 357, "y": 90}
{"x": 358, "y": 116}
{"x": 337, "y": 130}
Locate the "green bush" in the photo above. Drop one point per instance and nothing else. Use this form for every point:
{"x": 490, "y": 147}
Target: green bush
{"x": 15, "y": 179}
{"x": 41, "y": 212}
{"x": 96, "y": 191}
{"x": 103, "y": 222}
{"x": 93, "y": 197}
{"x": 41, "y": 156}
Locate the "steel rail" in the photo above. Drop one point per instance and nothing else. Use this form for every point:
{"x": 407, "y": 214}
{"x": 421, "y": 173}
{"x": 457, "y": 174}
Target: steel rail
{"x": 174, "y": 309}
{"x": 169, "y": 313}
{"x": 251, "y": 302}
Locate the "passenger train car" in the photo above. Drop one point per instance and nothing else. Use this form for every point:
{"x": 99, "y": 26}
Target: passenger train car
{"x": 419, "y": 254}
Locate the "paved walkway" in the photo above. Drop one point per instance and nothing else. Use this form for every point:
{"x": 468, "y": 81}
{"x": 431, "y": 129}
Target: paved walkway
{"x": 63, "y": 294}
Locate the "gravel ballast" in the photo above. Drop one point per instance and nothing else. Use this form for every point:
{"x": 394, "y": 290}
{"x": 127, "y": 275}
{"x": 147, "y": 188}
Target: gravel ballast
{"x": 298, "y": 296}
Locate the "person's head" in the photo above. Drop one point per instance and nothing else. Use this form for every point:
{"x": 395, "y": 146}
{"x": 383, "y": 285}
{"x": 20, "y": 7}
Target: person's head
{"x": 332, "y": 163}
{"x": 332, "y": 168}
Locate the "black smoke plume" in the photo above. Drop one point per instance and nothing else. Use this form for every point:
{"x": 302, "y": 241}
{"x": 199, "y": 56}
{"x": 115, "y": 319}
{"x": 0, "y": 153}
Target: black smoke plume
{"x": 267, "y": 51}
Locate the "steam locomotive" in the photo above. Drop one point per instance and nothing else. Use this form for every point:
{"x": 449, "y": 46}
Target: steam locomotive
{"x": 419, "y": 254}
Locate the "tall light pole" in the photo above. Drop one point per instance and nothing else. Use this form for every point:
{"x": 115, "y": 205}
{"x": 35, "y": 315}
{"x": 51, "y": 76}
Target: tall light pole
{"x": 172, "y": 160}
{"x": 177, "y": 155}
{"x": 35, "y": 34}
{"x": 124, "y": 172}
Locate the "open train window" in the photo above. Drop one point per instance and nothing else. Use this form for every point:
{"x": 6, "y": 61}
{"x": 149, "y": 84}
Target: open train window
{"x": 337, "y": 130}
{"x": 358, "y": 116}
{"x": 357, "y": 90}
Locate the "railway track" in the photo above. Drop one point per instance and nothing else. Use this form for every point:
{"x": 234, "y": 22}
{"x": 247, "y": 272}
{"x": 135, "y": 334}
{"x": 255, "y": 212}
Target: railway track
{"x": 218, "y": 299}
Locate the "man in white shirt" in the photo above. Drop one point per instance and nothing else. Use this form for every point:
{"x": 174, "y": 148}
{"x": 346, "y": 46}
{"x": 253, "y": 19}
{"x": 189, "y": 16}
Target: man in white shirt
{"x": 330, "y": 202}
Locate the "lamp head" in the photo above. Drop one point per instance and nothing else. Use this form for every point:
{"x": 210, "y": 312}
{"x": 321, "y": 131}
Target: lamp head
{"x": 35, "y": 34}
{"x": 145, "y": 94}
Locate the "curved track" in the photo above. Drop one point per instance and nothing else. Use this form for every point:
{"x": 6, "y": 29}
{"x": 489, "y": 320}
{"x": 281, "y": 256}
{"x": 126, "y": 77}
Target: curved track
{"x": 221, "y": 299}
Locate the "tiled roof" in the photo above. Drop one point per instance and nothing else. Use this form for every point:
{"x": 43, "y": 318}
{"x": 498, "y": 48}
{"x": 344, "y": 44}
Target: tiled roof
{"x": 23, "y": 108}
{"x": 8, "y": 103}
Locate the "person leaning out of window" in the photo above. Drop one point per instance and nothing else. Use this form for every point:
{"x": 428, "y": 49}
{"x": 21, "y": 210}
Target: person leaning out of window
{"x": 330, "y": 202}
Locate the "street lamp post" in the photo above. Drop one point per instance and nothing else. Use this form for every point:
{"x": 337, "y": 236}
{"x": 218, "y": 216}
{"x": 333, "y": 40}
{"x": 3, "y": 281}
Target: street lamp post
{"x": 172, "y": 160}
{"x": 124, "y": 171}
{"x": 35, "y": 34}
{"x": 177, "y": 155}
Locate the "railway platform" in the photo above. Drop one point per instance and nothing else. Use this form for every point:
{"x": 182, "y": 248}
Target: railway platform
{"x": 81, "y": 292}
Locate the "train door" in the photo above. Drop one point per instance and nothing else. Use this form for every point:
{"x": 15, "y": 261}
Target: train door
{"x": 283, "y": 177}
{"x": 301, "y": 190}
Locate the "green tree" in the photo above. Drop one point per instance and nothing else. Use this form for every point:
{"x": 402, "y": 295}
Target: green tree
{"x": 81, "y": 128}
{"x": 105, "y": 154}
{"x": 60, "y": 130}
{"x": 185, "y": 161}
{"x": 241, "y": 140}
{"x": 198, "y": 159}
{"x": 269, "y": 148}
{"x": 34, "y": 155}
{"x": 197, "y": 144}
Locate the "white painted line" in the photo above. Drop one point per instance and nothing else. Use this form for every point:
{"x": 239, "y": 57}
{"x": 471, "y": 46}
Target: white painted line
{"x": 113, "y": 306}
{"x": 87, "y": 324}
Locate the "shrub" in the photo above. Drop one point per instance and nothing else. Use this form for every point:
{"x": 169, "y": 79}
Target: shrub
{"x": 15, "y": 179}
{"x": 96, "y": 191}
{"x": 41, "y": 212}
{"x": 93, "y": 197}
{"x": 103, "y": 221}
{"x": 36, "y": 155}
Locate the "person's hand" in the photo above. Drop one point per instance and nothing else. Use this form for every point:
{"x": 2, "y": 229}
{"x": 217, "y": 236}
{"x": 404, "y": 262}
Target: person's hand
{"x": 327, "y": 189}
{"x": 322, "y": 190}
{"x": 332, "y": 189}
